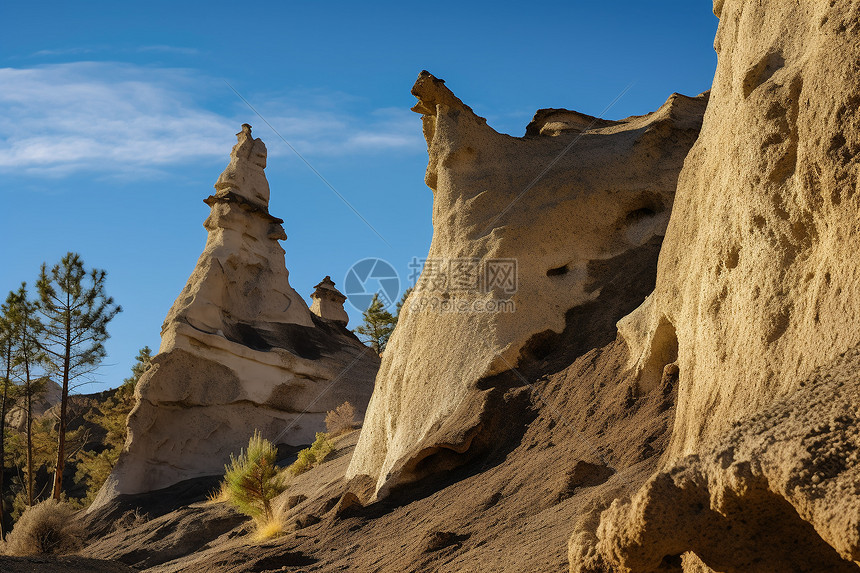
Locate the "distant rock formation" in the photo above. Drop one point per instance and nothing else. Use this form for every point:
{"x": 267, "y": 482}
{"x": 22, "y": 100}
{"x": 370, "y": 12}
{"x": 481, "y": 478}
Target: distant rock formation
{"x": 532, "y": 236}
{"x": 240, "y": 349}
{"x": 758, "y": 286}
{"x": 328, "y": 302}
{"x": 42, "y": 401}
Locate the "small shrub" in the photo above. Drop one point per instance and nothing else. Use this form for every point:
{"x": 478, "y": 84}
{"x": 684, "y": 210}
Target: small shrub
{"x": 254, "y": 480}
{"x": 303, "y": 463}
{"x": 48, "y": 528}
{"x": 130, "y": 519}
{"x": 340, "y": 420}
{"x": 312, "y": 456}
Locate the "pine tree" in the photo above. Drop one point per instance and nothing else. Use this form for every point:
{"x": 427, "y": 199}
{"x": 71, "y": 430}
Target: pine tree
{"x": 254, "y": 480}
{"x": 141, "y": 365}
{"x": 7, "y": 339}
{"x": 377, "y": 327}
{"x": 76, "y": 312}
{"x": 26, "y": 356}
{"x": 402, "y": 301}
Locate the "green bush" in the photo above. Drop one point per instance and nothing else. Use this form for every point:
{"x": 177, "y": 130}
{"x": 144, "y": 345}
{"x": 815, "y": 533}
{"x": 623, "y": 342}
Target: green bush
{"x": 254, "y": 480}
{"x": 312, "y": 456}
{"x": 44, "y": 529}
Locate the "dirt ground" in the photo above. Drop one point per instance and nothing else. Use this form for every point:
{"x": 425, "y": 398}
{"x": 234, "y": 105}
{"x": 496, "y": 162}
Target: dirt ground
{"x": 586, "y": 438}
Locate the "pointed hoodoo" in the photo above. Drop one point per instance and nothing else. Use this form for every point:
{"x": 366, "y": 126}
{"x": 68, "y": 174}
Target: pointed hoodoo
{"x": 240, "y": 350}
{"x": 244, "y": 175}
{"x": 328, "y": 302}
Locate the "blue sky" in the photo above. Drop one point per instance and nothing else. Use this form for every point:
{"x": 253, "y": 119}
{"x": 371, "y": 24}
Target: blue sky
{"x": 115, "y": 121}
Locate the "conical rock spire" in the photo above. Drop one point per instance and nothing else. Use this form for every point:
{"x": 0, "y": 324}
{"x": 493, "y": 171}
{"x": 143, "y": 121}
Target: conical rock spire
{"x": 240, "y": 350}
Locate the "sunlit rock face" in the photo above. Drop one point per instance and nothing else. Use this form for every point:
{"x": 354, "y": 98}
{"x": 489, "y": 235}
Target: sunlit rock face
{"x": 757, "y": 312}
{"x": 757, "y": 282}
{"x": 526, "y": 231}
{"x": 328, "y": 302}
{"x": 240, "y": 350}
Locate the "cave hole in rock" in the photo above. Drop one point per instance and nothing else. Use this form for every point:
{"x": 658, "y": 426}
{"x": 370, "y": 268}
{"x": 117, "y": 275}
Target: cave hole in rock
{"x": 558, "y": 271}
{"x": 664, "y": 351}
{"x": 637, "y": 215}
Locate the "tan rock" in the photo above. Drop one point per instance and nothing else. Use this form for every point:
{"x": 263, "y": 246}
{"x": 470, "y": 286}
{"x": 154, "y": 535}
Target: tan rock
{"x": 42, "y": 401}
{"x": 757, "y": 288}
{"x": 777, "y": 493}
{"x": 328, "y": 302}
{"x": 240, "y": 350}
{"x": 525, "y": 229}
{"x": 756, "y": 285}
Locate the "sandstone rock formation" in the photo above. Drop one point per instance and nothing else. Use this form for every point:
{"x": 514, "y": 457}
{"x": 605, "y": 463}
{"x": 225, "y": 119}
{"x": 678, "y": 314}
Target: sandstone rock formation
{"x": 529, "y": 234}
{"x": 43, "y": 401}
{"x": 757, "y": 287}
{"x": 328, "y": 302}
{"x": 778, "y": 493}
{"x": 754, "y": 284}
{"x": 240, "y": 349}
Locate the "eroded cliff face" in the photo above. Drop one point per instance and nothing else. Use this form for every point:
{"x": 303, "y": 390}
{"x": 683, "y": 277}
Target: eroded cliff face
{"x": 758, "y": 292}
{"x": 778, "y": 492}
{"x": 756, "y": 284}
{"x": 528, "y": 232}
{"x": 240, "y": 350}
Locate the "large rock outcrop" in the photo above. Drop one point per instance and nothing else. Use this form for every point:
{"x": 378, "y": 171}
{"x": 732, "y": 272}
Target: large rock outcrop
{"x": 529, "y": 234}
{"x": 240, "y": 350}
{"x": 758, "y": 286}
{"x": 778, "y": 492}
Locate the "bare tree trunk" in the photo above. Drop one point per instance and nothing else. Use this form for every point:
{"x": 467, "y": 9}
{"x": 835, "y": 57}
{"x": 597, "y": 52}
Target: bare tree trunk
{"x": 2, "y": 432}
{"x": 29, "y": 392}
{"x": 61, "y": 440}
{"x": 64, "y": 406}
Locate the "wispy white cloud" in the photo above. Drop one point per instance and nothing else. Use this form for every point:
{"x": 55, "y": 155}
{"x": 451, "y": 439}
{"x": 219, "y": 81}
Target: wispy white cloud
{"x": 164, "y": 49}
{"x": 112, "y": 118}
{"x": 76, "y": 51}
{"x": 63, "y": 118}
{"x": 334, "y": 123}
{"x": 81, "y": 50}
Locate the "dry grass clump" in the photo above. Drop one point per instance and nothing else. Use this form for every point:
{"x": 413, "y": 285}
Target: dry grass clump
{"x": 220, "y": 495}
{"x": 340, "y": 420}
{"x": 48, "y": 528}
{"x": 269, "y": 530}
{"x": 312, "y": 456}
{"x": 131, "y": 519}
